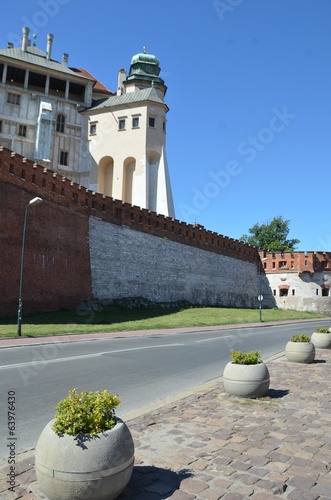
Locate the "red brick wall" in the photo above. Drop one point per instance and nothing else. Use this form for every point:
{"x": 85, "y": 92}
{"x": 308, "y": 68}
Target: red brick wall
{"x": 57, "y": 265}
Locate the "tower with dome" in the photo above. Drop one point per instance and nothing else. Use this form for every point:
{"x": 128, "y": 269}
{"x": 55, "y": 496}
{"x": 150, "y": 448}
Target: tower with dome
{"x": 127, "y": 139}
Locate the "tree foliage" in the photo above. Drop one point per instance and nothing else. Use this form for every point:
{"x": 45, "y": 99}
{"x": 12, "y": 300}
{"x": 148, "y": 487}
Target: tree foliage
{"x": 272, "y": 236}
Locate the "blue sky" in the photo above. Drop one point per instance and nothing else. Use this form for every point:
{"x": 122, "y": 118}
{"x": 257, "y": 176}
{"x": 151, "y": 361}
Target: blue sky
{"x": 249, "y": 126}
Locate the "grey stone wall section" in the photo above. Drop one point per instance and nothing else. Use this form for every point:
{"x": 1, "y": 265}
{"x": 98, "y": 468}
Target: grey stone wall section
{"x": 129, "y": 263}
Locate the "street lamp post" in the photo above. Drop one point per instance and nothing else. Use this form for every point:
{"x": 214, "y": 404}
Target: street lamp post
{"x": 260, "y": 297}
{"x": 19, "y": 314}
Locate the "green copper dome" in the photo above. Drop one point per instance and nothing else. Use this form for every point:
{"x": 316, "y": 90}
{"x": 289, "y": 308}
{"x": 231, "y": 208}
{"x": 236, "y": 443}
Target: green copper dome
{"x": 145, "y": 58}
{"x": 145, "y": 67}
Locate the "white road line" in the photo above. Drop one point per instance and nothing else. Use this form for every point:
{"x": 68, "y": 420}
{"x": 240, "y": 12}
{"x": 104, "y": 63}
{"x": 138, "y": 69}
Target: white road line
{"x": 214, "y": 338}
{"x": 83, "y": 356}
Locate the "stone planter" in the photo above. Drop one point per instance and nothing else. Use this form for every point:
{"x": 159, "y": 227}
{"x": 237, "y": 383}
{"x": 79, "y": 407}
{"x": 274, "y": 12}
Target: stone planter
{"x": 84, "y": 466}
{"x": 247, "y": 381}
{"x": 300, "y": 352}
{"x": 321, "y": 340}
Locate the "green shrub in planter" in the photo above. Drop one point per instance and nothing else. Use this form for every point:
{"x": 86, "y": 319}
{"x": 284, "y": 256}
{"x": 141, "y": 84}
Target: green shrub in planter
{"x": 246, "y": 358}
{"x": 85, "y": 412}
{"x": 300, "y": 349}
{"x": 246, "y": 375}
{"x": 322, "y": 330}
{"x": 85, "y": 452}
{"x": 300, "y": 338}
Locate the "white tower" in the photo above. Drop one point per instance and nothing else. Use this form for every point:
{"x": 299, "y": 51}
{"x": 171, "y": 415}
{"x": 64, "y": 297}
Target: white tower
{"x": 127, "y": 134}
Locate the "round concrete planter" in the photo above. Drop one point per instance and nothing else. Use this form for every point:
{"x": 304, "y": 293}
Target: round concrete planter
{"x": 321, "y": 340}
{"x": 84, "y": 466}
{"x": 300, "y": 352}
{"x": 247, "y": 381}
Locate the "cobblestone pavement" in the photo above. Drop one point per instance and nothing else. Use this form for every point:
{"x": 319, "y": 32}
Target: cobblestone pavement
{"x": 210, "y": 445}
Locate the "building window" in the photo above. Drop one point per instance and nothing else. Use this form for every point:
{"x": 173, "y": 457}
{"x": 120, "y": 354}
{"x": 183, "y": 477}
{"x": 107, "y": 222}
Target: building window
{"x": 283, "y": 292}
{"x": 93, "y": 128}
{"x": 164, "y": 126}
{"x": 135, "y": 121}
{"x": 151, "y": 122}
{"x": 60, "y": 122}
{"x": 293, "y": 292}
{"x": 274, "y": 265}
{"x": 13, "y": 98}
{"x": 316, "y": 291}
{"x": 63, "y": 157}
{"x": 325, "y": 292}
{"x": 275, "y": 293}
{"x": 22, "y": 130}
{"x": 282, "y": 264}
{"x": 324, "y": 264}
{"x": 121, "y": 124}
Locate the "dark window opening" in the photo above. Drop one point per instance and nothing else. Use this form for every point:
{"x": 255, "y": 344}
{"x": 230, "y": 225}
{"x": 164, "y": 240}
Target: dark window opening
{"x": 151, "y": 122}
{"x": 325, "y": 292}
{"x": 283, "y": 292}
{"x": 64, "y": 158}
{"x": 76, "y": 92}
{"x": 60, "y": 122}
{"x": 121, "y": 124}
{"x": 15, "y": 76}
{"x": 37, "y": 82}
{"x": 57, "y": 87}
{"x": 22, "y": 130}
{"x": 13, "y": 98}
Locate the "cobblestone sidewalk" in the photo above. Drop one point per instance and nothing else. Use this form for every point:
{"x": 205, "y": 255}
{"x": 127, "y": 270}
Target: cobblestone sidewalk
{"x": 210, "y": 445}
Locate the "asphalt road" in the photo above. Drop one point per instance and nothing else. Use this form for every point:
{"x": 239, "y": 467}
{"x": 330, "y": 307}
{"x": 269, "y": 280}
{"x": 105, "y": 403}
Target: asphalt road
{"x": 142, "y": 370}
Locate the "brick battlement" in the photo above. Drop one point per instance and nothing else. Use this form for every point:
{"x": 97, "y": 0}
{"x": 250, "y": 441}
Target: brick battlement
{"x": 298, "y": 262}
{"x": 39, "y": 181}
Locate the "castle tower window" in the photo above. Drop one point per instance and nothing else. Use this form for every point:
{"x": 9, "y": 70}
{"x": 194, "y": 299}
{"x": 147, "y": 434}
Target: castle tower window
{"x": 93, "y": 128}
{"x": 60, "y": 122}
{"x": 151, "y": 121}
{"x": 135, "y": 121}
{"x": 283, "y": 292}
{"x": 325, "y": 292}
{"x": 63, "y": 157}
{"x": 121, "y": 124}
{"x": 293, "y": 292}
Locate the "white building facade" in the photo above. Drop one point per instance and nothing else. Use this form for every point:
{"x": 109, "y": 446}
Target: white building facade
{"x": 67, "y": 121}
{"x": 127, "y": 134}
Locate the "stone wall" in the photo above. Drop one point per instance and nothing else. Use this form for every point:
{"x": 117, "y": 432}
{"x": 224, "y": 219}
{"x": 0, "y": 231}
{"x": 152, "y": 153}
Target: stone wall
{"x": 126, "y": 263}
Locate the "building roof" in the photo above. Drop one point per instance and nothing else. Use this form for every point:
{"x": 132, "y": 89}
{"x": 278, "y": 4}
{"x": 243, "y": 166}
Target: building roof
{"x": 98, "y": 86}
{"x": 148, "y": 94}
{"x": 37, "y": 57}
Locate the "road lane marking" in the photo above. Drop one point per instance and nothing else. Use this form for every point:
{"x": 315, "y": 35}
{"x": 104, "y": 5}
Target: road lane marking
{"x": 84, "y": 356}
{"x": 215, "y": 338}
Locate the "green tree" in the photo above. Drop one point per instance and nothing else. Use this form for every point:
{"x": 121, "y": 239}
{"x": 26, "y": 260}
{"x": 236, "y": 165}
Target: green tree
{"x": 271, "y": 236}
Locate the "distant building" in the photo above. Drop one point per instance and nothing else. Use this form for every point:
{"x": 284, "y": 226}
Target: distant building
{"x": 299, "y": 281}
{"x": 67, "y": 121}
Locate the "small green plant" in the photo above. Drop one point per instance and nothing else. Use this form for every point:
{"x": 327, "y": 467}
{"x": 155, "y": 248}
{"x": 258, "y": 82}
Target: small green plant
{"x": 300, "y": 338}
{"x": 246, "y": 358}
{"x": 322, "y": 330}
{"x": 85, "y": 412}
